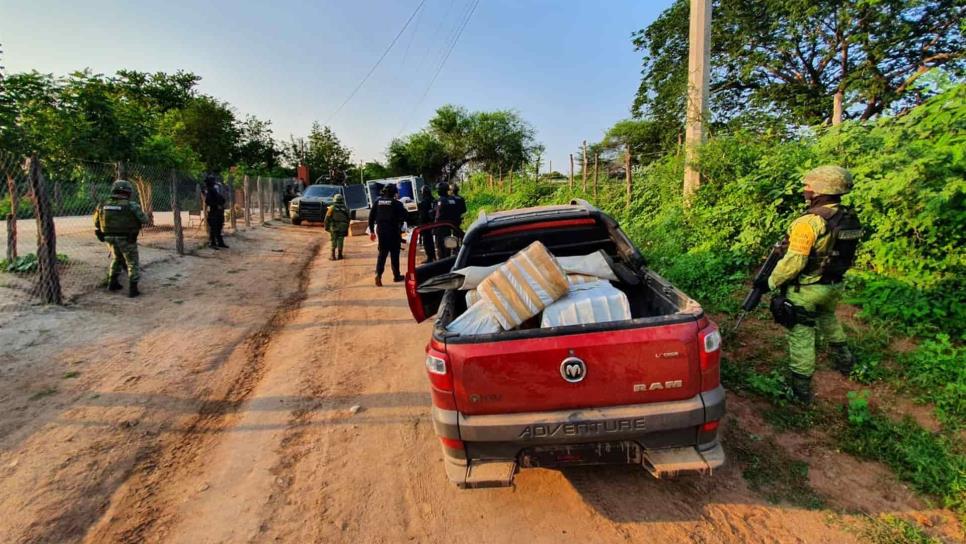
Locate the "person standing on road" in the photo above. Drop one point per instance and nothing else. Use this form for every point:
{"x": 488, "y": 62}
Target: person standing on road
{"x": 337, "y": 223}
{"x": 822, "y": 244}
{"x": 460, "y": 203}
{"x": 427, "y": 214}
{"x": 447, "y": 211}
{"x": 385, "y": 221}
{"x": 117, "y": 222}
{"x": 215, "y": 204}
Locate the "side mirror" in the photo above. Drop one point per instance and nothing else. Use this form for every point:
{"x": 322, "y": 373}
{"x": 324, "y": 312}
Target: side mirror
{"x": 451, "y": 242}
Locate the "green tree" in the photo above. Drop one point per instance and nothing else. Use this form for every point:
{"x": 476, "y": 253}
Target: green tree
{"x": 258, "y": 152}
{"x": 328, "y": 160}
{"x": 456, "y": 138}
{"x": 796, "y": 58}
{"x": 208, "y": 127}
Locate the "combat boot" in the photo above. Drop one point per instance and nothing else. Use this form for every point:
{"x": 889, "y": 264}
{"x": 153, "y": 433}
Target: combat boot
{"x": 801, "y": 388}
{"x": 378, "y": 281}
{"x": 340, "y": 255}
{"x": 398, "y": 279}
{"x": 132, "y": 290}
{"x": 113, "y": 284}
{"x": 842, "y": 358}
{"x": 332, "y": 255}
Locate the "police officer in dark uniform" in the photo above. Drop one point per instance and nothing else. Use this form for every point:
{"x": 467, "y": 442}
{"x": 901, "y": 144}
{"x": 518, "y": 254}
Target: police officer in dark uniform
{"x": 385, "y": 221}
{"x": 215, "y": 204}
{"x": 447, "y": 211}
{"x": 427, "y": 214}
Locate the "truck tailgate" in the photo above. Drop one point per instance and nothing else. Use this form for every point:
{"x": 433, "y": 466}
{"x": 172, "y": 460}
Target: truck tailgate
{"x": 624, "y": 366}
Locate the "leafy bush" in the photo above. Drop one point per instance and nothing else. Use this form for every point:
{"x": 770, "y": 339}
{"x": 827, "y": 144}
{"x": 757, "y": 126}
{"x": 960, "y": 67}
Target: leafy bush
{"x": 937, "y": 370}
{"x": 26, "y": 264}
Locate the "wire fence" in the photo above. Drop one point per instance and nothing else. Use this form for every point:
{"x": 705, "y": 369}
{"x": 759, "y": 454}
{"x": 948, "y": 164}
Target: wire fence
{"x": 49, "y": 254}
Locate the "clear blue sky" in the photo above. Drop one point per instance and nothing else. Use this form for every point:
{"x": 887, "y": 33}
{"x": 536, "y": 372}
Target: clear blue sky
{"x": 568, "y": 67}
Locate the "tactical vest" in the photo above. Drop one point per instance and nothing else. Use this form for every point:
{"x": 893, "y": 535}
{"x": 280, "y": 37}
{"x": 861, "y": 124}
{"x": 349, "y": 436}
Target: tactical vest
{"x": 842, "y": 224}
{"x": 339, "y": 221}
{"x": 118, "y": 219}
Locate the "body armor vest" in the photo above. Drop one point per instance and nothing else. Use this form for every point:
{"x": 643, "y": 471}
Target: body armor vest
{"x": 843, "y": 225}
{"x": 118, "y": 219}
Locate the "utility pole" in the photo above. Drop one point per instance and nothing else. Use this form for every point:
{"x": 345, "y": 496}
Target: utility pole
{"x": 571, "y": 177}
{"x": 699, "y": 46}
{"x": 362, "y": 168}
{"x": 583, "y": 168}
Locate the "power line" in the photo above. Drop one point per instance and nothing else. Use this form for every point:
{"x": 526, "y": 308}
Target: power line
{"x": 376, "y": 65}
{"x": 442, "y": 63}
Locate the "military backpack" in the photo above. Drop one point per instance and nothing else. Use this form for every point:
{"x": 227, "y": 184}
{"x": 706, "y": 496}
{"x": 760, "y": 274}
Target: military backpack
{"x": 118, "y": 219}
{"x": 845, "y": 229}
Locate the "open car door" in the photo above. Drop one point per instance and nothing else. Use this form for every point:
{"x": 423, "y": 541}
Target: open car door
{"x": 355, "y": 196}
{"x": 443, "y": 240}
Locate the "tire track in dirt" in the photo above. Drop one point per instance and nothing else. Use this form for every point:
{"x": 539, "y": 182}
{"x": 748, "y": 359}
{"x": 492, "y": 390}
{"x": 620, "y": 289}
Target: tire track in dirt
{"x": 140, "y": 504}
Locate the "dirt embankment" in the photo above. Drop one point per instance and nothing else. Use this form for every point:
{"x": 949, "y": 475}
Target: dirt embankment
{"x": 245, "y": 432}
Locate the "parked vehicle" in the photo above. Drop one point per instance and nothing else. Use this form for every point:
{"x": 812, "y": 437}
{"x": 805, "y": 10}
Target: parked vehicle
{"x": 313, "y": 203}
{"x": 409, "y": 188}
{"x": 642, "y": 391}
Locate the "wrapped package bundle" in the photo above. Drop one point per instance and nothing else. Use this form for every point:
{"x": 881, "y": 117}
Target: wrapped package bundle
{"x": 594, "y": 264}
{"x": 480, "y": 318}
{"x": 580, "y": 279}
{"x": 598, "y": 302}
{"x": 524, "y": 285}
{"x": 472, "y": 297}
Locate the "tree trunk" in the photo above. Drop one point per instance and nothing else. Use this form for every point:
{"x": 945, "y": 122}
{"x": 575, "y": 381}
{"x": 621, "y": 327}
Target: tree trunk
{"x": 146, "y": 198}
{"x": 176, "y": 212}
{"x": 48, "y": 278}
{"x": 12, "y": 218}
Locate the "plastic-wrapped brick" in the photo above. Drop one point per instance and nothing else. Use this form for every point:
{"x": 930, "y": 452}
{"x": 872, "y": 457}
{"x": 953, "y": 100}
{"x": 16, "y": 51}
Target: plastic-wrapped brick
{"x": 588, "y": 303}
{"x": 524, "y": 285}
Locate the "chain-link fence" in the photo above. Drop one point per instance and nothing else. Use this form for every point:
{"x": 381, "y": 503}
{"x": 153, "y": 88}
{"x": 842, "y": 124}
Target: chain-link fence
{"x": 49, "y": 253}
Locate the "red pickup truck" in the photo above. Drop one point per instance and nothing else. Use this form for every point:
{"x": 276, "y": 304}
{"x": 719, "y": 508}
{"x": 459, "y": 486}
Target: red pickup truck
{"x": 642, "y": 391}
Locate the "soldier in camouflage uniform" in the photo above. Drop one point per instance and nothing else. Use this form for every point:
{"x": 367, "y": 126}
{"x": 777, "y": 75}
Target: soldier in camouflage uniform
{"x": 337, "y": 223}
{"x": 117, "y": 222}
{"x": 821, "y": 247}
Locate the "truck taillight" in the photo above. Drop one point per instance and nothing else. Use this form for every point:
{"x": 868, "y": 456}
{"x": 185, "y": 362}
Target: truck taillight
{"x": 440, "y": 378}
{"x": 710, "y": 356}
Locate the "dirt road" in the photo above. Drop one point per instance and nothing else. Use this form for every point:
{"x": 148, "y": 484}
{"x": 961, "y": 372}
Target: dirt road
{"x": 217, "y": 421}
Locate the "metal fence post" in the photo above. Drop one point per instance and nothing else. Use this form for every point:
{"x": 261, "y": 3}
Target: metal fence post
{"x": 176, "y": 210}
{"x": 246, "y": 195}
{"x": 48, "y": 280}
{"x": 261, "y": 200}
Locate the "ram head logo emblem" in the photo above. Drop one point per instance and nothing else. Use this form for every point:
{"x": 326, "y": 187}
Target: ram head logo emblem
{"x": 573, "y": 369}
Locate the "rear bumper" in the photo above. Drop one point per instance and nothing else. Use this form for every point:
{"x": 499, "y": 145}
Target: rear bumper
{"x": 662, "y": 428}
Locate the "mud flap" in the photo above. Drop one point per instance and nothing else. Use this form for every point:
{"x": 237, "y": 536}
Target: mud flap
{"x": 481, "y": 474}
{"x": 667, "y": 463}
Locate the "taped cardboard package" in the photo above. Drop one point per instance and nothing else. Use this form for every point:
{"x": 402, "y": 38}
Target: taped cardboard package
{"x": 587, "y": 303}
{"x": 594, "y": 264}
{"x": 524, "y": 285}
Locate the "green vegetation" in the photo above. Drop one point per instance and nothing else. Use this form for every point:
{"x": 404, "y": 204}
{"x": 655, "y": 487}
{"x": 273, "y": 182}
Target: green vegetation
{"x": 26, "y": 264}
{"x": 889, "y": 529}
{"x": 931, "y": 463}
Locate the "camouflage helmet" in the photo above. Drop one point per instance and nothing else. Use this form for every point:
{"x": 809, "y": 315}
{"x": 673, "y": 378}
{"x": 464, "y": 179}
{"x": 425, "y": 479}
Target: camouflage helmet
{"x": 122, "y": 186}
{"x": 829, "y": 180}
{"x": 337, "y": 198}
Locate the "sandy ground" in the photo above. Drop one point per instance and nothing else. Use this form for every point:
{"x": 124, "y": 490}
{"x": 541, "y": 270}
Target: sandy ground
{"x": 216, "y": 408}
{"x": 87, "y": 259}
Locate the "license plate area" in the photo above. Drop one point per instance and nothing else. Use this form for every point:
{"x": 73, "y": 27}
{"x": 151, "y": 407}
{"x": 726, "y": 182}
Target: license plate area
{"x": 595, "y": 453}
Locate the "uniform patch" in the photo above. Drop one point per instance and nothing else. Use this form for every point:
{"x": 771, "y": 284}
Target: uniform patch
{"x": 801, "y": 239}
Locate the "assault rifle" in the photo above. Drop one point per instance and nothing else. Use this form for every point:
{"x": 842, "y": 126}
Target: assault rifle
{"x": 759, "y": 285}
